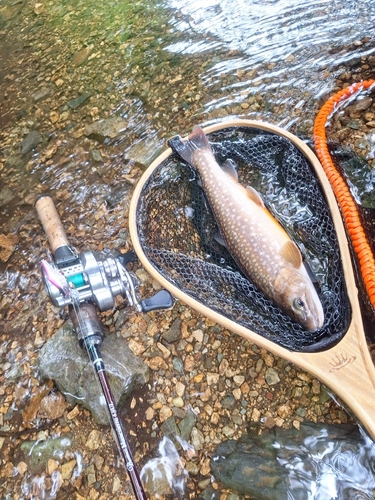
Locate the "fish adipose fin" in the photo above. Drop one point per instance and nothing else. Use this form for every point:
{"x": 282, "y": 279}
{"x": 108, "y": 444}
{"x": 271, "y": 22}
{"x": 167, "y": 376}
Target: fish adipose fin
{"x": 185, "y": 149}
{"x": 254, "y": 196}
{"x": 229, "y": 168}
{"x": 291, "y": 253}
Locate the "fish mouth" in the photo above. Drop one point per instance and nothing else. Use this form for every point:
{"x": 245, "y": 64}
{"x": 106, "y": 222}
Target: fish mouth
{"x": 315, "y": 320}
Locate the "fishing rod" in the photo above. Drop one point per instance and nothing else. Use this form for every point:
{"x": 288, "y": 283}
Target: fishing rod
{"x": 82, "y": 281}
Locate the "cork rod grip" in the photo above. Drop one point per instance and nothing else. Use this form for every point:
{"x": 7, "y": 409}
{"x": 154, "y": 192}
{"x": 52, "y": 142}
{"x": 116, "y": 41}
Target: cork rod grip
{"x": 51, "y": 222}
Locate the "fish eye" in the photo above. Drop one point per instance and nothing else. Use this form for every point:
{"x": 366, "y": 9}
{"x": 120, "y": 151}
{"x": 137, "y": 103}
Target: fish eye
{"x": 298, "y": 304}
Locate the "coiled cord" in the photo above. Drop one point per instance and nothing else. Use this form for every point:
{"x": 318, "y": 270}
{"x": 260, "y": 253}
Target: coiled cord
{"x": 346, "y": 202}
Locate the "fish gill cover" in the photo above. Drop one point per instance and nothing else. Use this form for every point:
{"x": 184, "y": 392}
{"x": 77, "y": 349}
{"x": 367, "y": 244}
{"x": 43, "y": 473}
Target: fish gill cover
{"x": 178, "y": 235}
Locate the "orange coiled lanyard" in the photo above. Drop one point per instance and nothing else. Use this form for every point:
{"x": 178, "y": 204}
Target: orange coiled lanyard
{"x": 346, "y": 202}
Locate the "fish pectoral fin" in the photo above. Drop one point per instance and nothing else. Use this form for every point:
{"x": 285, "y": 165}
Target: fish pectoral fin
{"x": 229, "y": 168}
{"x": 219, "y": 239}
{"x": 291, "y": 253}
{"x": 254, "y": 196}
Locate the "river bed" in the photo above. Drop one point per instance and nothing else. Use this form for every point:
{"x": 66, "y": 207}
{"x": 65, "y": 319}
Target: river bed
{"x": 146, "y": 71}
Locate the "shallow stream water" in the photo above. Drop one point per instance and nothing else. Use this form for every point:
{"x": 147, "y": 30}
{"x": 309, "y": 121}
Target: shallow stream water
{"x": 145, "y": 71}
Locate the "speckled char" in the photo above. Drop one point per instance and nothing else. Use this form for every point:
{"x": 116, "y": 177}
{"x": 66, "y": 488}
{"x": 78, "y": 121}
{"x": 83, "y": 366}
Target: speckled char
{"x": 258, "y": 243}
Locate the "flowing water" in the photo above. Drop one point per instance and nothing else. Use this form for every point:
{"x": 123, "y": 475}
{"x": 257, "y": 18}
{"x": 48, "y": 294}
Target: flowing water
{"x": 143, "y": 71}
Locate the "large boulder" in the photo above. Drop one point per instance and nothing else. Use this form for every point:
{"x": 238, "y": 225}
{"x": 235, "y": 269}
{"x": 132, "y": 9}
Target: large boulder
{"x": 62, "y": 360}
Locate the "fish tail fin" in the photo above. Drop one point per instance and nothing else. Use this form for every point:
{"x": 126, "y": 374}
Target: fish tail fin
{"x": 185, "y": 149}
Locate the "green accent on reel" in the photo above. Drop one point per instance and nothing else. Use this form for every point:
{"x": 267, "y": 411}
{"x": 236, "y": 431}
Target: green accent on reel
{"x": 77, "y": 280}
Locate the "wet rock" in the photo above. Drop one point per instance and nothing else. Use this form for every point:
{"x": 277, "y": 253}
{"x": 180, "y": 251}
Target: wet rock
{"x": 38, "y": 8}
{"x": 109, "y": 127}
{"x": 164, "y": 475}
{"x": 15, "y": 161}
{"x": 6, "y": 195}
{"x": 96, "y": 155}
{"x": 41, "y": 94}
{"x": 360, "y": 104}
{"x": 261, "y": 466}
{"x": 11, "y": 12}
{"x": 31, "y": 141}
{"x": 186, "y": 425}
{"x": 174, "y": 333}
{"x": 144, "y": 150}
{"x": 272, "y": 377}
{"x": 210, "y": 494}
{"x": 62, "y": 360}
{"x": 52, "y": 406}
{"x": 94, "y": 440}
{"x": 75, "y": 103}
{"x": 81, "y": 56}
{"x": 170, "y": 430}
{"x": 38, "y": 453}
{"x": 8, "y": 243}
{"x": 197, "y": 439}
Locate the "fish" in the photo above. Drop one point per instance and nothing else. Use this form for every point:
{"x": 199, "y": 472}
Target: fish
{"x": 258, "y": 243}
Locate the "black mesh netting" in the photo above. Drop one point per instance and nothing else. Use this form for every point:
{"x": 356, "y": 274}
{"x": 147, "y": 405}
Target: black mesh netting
{"x": 177, "y": 233}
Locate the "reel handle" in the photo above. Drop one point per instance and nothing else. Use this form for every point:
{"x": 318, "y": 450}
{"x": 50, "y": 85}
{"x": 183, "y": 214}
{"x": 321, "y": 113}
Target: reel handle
{"x": 54, "y": 230}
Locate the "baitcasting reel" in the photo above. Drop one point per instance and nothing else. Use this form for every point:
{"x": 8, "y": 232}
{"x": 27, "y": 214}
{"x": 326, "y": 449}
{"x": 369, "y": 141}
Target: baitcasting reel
{"x": 94, "y": 279}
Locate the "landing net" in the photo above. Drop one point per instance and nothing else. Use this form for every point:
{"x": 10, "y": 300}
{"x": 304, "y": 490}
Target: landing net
{"x": 178, "y": 235}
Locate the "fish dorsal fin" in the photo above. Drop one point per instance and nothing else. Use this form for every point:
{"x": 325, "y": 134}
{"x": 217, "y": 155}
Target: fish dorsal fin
{"x": 291, "y": 253}
{"x": 254, "y": 196}
{"x": 229, "y": 168}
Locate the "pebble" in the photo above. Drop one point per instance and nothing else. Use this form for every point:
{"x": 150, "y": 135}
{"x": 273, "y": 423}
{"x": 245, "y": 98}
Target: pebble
{"x": 157, "y": 363}
{"x": 178, "y": 402}
{"x": 197, "y": 439}
{"x": 22, "y": 468}
{"x": 164, "y": 413}
{"x": 81, "y": 56}
{"x": 31, "y": 141}
{"x": 67, "y": 469}
{"x": 94, "y": 440}
{"x": 38, "y": 8}
{"x": 52, "y": 465}
{"x": 8, "y": 244}
{"x": 180, "y": 388}
{"x": 272, "y": 377}
{"x": 78, "y": 101}
{"x": 54, "y": 116}
{"x": 174, "y": 332}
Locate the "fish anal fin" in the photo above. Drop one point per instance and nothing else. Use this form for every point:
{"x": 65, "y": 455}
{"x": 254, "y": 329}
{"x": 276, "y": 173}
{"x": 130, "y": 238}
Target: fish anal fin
{"x": 254, "y": 196}
{"x": 230, "y": 169}
{"x": 291, "y": 253}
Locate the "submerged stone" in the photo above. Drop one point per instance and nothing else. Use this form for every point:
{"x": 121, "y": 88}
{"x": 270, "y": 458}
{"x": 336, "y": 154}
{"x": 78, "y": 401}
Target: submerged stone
{"x": 31, "y": 141}
{"x": 37, "y": 453}
{"x": 75, "y": 103}
{"x": 288, "y": 463}
{"x": 109, "y": 127}
{"x": 186, "y": 425}
{"x": 62, "y": 360}
{"x": 174, "y": 332}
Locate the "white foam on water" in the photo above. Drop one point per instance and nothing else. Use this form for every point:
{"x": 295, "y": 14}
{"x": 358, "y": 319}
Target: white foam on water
{"x": 166, "y": 471}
